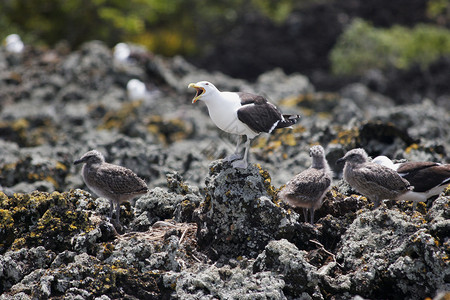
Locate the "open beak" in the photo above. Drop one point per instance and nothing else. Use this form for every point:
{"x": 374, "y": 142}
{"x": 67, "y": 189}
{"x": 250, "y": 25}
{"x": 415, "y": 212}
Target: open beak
{"x": 200, "y": 91}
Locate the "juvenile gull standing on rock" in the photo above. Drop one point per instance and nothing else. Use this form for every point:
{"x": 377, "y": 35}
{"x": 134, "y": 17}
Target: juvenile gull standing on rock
{"x": 428, "y": 178}
{"x": 115, "y": 183}
{"x": 308, "y": 188}
{"x": 374, "y": 181}
{"x": 241, "y": 113}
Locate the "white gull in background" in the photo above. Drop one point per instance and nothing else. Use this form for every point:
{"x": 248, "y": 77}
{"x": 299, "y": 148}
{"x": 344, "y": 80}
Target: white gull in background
{"x": 242, "y": 114}
{"x": 121, "y": 52}
{"x": 137, "y": 90}
{"x": 14, "y": 44}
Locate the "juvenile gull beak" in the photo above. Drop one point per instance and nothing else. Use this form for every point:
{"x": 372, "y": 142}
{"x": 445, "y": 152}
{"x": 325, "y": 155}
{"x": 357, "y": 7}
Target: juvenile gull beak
{"x": 340, "y": 161}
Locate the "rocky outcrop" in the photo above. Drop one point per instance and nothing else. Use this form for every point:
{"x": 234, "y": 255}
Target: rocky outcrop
{"x": 241, "y": 212}
{"x": 205, "y": 229}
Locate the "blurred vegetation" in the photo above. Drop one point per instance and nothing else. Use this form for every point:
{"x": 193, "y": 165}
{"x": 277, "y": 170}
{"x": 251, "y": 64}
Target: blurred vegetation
{"x": 160, "y": 25}
{"x": 192, "y": 27}
{"x": 362, "y": 47}
{"x": 167, "y": 27}
{"x": 439, "y": 10}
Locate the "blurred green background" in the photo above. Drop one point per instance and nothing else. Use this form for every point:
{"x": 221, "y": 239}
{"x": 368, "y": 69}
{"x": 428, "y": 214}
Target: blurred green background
{"x": 250, "y": 36}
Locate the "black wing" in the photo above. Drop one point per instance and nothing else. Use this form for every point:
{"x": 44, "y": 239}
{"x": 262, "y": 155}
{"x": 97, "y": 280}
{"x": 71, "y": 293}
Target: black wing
{"x": 259, "y": 114}
{"x": 425, "y": 177}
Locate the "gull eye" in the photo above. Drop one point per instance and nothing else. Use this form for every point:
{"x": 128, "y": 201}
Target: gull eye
{"x": 206, "y": 83}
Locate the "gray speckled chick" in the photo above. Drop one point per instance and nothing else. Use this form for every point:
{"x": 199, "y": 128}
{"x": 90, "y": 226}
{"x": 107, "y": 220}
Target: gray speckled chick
{"x": 115, "y": 183}
{"x": 374, "y": 181}
{"x": 308, "y": 188}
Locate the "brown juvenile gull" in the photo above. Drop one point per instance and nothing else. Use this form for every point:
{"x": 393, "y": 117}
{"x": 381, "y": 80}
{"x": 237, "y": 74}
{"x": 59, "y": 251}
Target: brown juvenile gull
{"x": 115, "y": 183}
{"x": 374, "y": 181}
{"x": 428, "y": 178}
{"x": 308, "y": 188}
{"x": 242, "y": 114}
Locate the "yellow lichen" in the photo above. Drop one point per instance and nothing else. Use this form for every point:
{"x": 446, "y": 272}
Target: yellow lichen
{"x": 117, "y": 119}
{"x": 6, "y": 219}
{"x": 348, "y": 137}
{"x": 61, "y": 166}
{"x": 20, "y": 125}
{"x": 411, "y": 147}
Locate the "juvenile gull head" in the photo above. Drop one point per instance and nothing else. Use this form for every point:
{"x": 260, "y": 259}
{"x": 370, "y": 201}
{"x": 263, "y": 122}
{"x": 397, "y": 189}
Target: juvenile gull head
{"x": 308, "y": 188}
{"x": 115, "y": 183}
{"x": 374, "y": 181}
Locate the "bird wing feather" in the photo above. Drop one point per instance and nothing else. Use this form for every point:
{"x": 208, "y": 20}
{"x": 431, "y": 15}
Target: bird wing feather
{"x": 259, "y": 114}
{"x": 309, "y": 184}
{"x": 383, "y": 177}
{"x": 409, "y": 167}
{"x": 120, "y": 180}
{"x": 427, "y": 177}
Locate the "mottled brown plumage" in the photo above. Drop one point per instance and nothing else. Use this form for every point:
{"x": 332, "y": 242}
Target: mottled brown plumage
{"x": 374, "y": 181}
{"x": 115, "y": 183}
{"x": 308, "y": 188}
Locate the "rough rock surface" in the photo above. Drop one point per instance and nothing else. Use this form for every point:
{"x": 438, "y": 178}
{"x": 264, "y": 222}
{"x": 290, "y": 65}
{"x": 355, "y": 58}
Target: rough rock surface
{"x": 205, "y": 230}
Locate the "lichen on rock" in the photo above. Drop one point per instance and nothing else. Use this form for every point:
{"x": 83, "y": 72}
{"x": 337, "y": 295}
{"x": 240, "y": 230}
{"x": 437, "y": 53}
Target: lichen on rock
{"x": 239, "y": 215}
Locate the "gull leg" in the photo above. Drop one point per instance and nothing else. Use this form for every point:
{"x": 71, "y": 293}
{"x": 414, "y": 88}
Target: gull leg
{"x": 312, "y": 210}
{"x": 376, "y": 202}
{"x": 117, "y": 212}
{"x": 305, "y": 214}
{"x": 111, "y": 209}
{"x": 414, "y": 206}
{"x": 243, "y": 162}
{"x": 236, "y": 154}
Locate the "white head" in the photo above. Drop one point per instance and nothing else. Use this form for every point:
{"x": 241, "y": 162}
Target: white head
{"x": 204, "y": 90}
{"x": 91, "y": 157}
